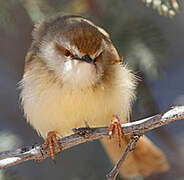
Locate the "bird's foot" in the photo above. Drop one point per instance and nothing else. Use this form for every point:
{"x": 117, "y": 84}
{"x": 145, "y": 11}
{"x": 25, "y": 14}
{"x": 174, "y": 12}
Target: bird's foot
{"x": 50, "y": 142}
{"x": 115, "y": 125}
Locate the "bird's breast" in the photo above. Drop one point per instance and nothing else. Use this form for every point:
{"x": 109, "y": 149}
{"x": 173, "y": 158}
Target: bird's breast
{"x": 62, "y": 111}
{"x": 49, "y": 107}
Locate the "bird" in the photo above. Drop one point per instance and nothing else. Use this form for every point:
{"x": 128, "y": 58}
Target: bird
{"x": 74, "y": 76}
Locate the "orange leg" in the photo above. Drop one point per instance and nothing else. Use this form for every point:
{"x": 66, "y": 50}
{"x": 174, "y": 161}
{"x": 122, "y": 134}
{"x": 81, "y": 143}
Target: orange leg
{"x": 51, "y": 141}
{"x": 115, "y": 125}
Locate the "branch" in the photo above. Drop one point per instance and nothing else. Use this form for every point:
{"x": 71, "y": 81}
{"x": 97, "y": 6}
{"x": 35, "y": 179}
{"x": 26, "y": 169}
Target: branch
{"x": 129, "y": 148}
{"x": 10, "y": 158}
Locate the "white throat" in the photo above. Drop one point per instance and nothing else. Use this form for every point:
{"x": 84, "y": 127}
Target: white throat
{"x": 78, "y": 74}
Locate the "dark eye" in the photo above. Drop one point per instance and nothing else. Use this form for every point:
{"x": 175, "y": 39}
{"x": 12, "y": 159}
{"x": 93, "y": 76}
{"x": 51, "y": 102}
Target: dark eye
{"x": 63, "y": 51}
{"x": 67, "y": 53}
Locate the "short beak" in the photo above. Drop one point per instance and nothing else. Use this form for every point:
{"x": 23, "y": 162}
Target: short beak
{"x": 86, "y": 58}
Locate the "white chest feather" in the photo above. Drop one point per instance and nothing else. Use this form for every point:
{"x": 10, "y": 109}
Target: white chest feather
{"x": 50, "y": 107}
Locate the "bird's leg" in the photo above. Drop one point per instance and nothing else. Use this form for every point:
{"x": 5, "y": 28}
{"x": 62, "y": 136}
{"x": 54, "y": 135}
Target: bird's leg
{"x": 115, "y": 125}
{"x": 50, "y": 141}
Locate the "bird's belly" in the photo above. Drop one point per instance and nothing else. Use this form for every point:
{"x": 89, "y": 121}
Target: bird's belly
{"x": 62, "y": 112}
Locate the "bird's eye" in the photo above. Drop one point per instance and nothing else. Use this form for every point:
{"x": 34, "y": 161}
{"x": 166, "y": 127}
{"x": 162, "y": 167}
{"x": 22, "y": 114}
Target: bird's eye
{"x": 67, "y": 53}
{"x": 63, "y": 51}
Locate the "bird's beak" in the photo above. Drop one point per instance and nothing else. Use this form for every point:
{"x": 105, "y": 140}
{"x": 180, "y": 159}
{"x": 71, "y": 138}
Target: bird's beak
{"x": 86, "y": 58}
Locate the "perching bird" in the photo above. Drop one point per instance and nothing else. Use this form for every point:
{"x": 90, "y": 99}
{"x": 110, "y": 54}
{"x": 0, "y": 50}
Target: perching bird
{"x": 73, "y": 77}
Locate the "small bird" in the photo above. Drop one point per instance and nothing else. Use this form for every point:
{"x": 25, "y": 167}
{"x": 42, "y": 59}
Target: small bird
{"x": 74, "y": 76}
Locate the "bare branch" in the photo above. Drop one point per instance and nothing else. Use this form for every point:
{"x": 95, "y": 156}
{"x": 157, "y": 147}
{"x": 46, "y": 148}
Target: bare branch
{"x": 10, "y": 158}
{"x": 129, "y": 148}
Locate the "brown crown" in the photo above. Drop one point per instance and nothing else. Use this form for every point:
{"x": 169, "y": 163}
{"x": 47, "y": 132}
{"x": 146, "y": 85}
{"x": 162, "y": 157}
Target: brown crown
{"x": 85, "y": 37}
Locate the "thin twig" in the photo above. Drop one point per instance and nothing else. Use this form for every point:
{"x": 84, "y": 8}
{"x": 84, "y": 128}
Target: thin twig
{"x": 129, "y": 148}
{"x": 10, "y": 158}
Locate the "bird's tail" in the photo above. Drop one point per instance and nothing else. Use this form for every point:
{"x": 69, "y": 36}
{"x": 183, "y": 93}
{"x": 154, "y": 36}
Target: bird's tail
{"x": 146, "y": 158}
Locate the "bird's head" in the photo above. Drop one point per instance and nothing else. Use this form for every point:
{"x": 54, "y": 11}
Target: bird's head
{"x": 75, "y": 49}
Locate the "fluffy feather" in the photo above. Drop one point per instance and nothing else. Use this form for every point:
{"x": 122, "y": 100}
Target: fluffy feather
{"x": 49, "y": 105}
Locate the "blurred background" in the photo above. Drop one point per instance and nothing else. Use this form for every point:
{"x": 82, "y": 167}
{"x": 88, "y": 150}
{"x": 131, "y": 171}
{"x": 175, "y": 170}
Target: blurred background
{"x": 151, "y": 41}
